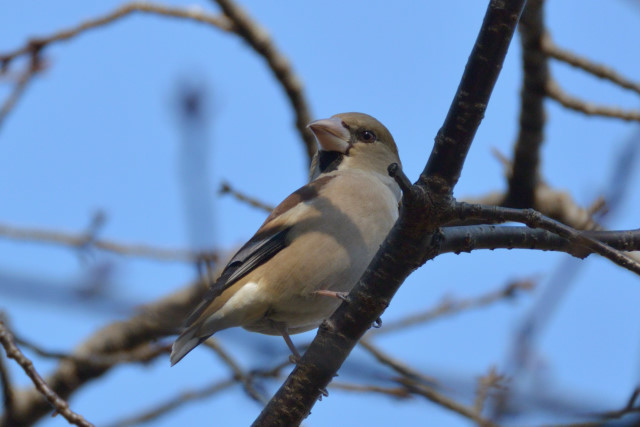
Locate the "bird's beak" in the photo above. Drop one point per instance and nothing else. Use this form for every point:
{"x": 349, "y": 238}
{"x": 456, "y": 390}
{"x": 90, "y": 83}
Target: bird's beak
{"x": 331, "y": 134}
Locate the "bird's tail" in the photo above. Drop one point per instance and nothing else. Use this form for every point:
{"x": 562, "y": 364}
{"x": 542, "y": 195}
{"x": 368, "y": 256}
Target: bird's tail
{"x": 187, "y": 341}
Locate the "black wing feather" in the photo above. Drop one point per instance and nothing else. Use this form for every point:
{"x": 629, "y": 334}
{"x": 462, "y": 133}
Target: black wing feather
{"x": 253, "y": 254}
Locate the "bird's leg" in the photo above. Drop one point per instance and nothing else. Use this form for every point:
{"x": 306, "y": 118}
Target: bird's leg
{"x": 344, "y": 296}
{"x": 282, "y": 328}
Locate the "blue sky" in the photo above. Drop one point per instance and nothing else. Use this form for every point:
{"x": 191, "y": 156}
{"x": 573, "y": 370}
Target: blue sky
{"x": 98, "y": 131}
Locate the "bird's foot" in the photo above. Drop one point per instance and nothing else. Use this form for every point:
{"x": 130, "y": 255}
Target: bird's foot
{"x": 344, "y": 296}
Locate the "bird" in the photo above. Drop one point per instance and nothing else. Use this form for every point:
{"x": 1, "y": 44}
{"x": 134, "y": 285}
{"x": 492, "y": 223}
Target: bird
{"x": 314, "y": 246}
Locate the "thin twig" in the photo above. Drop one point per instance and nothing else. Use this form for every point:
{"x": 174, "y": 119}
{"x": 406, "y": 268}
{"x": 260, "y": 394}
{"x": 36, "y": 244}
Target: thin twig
{"x": 445, "y": 402}
{"x": 599, "y": 70}
{"x": 79, "y": 240}
{"x": 399, "y": 392}
{"x": 143, "y": 354}
{"x": 397, "y": 366}
{"x": 193, "y": 13}
{"x": 59, "y": 405}
{"x": 259, "y": 40}
{"x": 238, "y": 373}
{"x": 568, "y": 101}
{"x": 15, "y": 95}
{"x": 173, "y": 403}
{"x": 450, "y": 307}
{"x": 225, "y": 188}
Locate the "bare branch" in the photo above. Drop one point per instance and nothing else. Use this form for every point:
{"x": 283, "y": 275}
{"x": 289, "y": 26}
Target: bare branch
{"x": 7, "y": 391}
{"x": 156, "y": 321}
{"x": 238, "y": 373}
{"x": 557, "y": 94}
{"x": 259, "y": 40}
{"x": 194, "y": 14}
{"x": 173, "y": 403}
{"x": 59, "y": 404}
{"x": 79, "y": 240}
{"x": 450, "y": 307}
{"x": 599, "y": 70}
{"x": 474, "y": 237}
{"x": 524, "y": 177}
{"x": 18, "y": 91}
{"x": 445, "y": 402}
{"x": 534, "y": 219}
{"x": 225, "y": 188}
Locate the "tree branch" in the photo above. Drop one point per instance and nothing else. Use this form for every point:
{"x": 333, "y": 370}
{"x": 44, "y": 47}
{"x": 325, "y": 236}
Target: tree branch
{"x": 524, "y": 172}
{"x": 534, "y": 219}
{"x": 470, "y": 102}
{"x": 571, "y": 102}
{"x": 59, "y": 404}
{"x": 259, "y": 40}
{"x": 39, "y": 43}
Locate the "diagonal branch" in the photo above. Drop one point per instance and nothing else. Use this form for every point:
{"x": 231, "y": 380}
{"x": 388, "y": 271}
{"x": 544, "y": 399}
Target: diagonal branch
{"x": 599, "y": 70}
{"x": 259, "y": 40}
{"x": 59, "y": 405}
{"x": 467, "y": 109}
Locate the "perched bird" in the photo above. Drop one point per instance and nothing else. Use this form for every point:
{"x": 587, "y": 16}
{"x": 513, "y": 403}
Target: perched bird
{"x": 314, "y": 246}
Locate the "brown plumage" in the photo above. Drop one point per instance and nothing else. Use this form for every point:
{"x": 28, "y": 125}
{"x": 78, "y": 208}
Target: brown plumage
{"x": 321, "y": 237}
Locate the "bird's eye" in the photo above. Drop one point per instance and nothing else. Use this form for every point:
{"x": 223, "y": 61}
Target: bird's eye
{"x": 367, "y": 136}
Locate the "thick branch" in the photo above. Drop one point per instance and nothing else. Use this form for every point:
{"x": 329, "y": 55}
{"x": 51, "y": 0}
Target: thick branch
{"x": 524, "y": 174}
{"x": 475, "y": 237}
{"x": 470, "y": 103}
{"x": 535, "y": 219}
{"x": 410, "y": 242}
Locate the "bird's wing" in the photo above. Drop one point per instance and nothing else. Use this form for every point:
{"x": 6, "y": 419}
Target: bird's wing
{"x": 270, "y": 239}
{"x": 257, "y": 251}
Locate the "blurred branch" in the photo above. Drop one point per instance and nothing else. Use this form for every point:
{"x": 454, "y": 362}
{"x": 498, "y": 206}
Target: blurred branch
{"x": 238, "y": 373}
{"x": 397, "y": 366}
{"x": 173, "y": 403}
{"x": 225, "y": 188}
{"x": 35, "y": 66}
{"x": 524, "y": 175}
{"x": 398, "y": 392}
{"x": 194, "y": 14}
{"x": 451, "y": 307}
{"x": 446, "y": 402}
{"x": 568, "y": 101}
{"x": 156, "y": 320}
{"x": 260, "y": 41}
{"x": 602, "y": 71}
{"x": 59, "y": 405}
{"x": 630, "y": 408}
{"x": 80, "y": 240}
{"x": 7, "y": 391}
{"x": 143, "y": 353}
